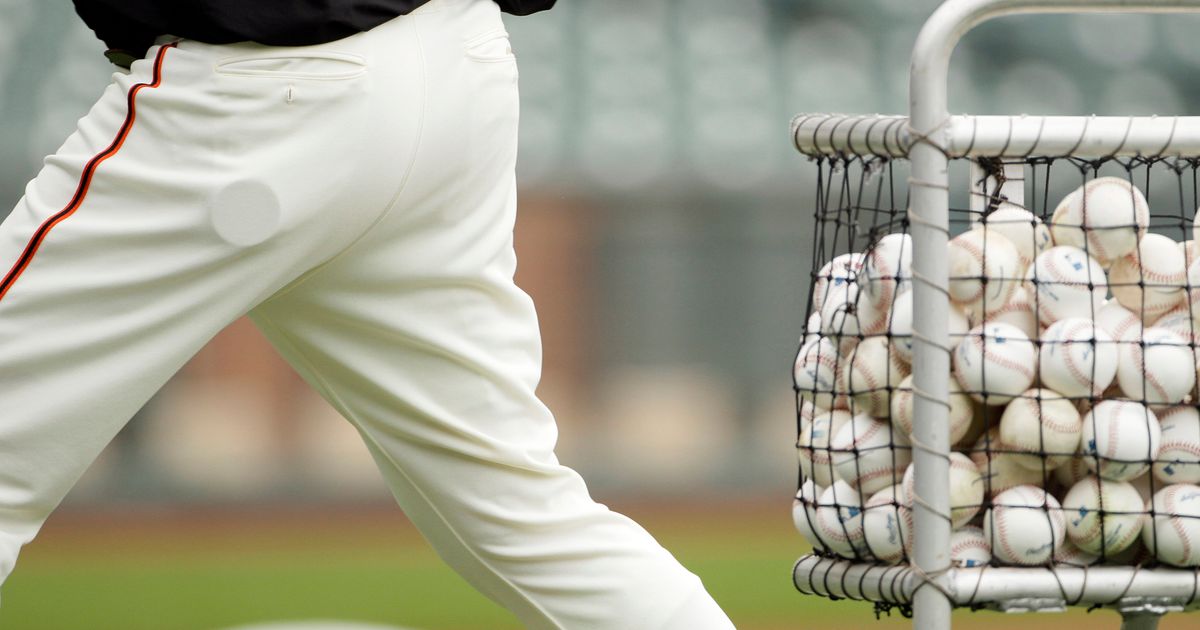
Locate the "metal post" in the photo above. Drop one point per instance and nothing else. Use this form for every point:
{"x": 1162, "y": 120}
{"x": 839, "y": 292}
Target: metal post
{"x": 1140, "y": 621}
{"x": 930, "y": 120}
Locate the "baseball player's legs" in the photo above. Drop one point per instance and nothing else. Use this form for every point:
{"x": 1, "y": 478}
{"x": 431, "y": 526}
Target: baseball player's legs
{"x": 418, "y": 335}
{"x": 176, "y": 207}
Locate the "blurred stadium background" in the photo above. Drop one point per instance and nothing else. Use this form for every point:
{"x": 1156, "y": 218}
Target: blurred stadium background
{"x": 663, "y": 234}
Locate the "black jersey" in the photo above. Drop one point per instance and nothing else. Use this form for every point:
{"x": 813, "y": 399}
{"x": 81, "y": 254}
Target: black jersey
{"x": 131, "y": 26}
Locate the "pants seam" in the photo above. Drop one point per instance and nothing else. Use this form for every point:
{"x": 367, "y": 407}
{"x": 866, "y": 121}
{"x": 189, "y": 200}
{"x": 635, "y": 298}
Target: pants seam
{"x": 323, "y": 386}
{"x": 391, "y": 204}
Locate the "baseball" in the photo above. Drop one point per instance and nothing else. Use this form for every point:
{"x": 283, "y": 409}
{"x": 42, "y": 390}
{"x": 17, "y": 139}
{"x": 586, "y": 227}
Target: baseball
{"x": 888, "y": 267}
{"x": 1024, "y": 526}
{"x": 995, "y": 362}
{"x": 1120, "y": 324}
{"x": 1023, "y": 229}
{"x": 839, "y": 521}
{"x": 901, "y": 327}
{"x": 969, "y": 548}
{"x": 1151, "y": 279}
{"x": 960, "y": 414}
{"x": 887, "y": 525}
{"x": 1103, "y": 517}
{"x": 817, "y": 374}
{"x": 1179, "y": 321}
{"x": 1064, "y": 281}
{"x": 1071, "y": 555}
{"x": 966, "y": 489}
{"x": 868, "y": 455}
{"x": 1019, "y": 312}
{"x": 984, "y": 268}
{"x": 1178, "y": 458}
{"x": 1074, "y": 469}
{"x": 812, "y": 446}
{"x": 1173, "y": 533}
{"x": 1077, "y": 359}
{"x": 872, "y": 374}
{"x": 1188, "y": 249}
{"x": 846, "y": 313}
{"x": 804, "y": 513}
{"x": 1120, "y": 439}
{"x": 1193, "y": 288}
{"x": 812, "y": 330}
{"x": 998, "y": 467}
{"x": 1043, "y": 424}
{"x": 1107, "y": 217}
{"x": 841, "y": 271}
{"x": 1159, "y": 368}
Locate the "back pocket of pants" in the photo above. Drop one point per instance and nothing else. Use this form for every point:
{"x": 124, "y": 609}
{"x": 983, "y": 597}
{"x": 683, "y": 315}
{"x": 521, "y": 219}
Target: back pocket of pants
{"x": 320, "y": 66}
{"x": 490, "y": 46}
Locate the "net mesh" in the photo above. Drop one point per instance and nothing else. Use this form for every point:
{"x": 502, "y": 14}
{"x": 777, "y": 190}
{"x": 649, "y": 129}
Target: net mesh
{"x": 1073, "y": 416}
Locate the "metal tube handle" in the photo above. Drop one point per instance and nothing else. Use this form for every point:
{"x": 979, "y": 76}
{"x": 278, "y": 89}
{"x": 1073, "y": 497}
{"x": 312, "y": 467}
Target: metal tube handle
{"x": 928, "y": 215}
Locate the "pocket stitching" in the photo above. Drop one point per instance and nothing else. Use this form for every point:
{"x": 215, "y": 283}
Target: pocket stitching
{"x": 470, "y": 46}
{"x": 223, "y": 66}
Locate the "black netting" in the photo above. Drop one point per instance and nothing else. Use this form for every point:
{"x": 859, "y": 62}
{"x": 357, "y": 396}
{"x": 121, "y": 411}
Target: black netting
{"x": 1074, "y": 415}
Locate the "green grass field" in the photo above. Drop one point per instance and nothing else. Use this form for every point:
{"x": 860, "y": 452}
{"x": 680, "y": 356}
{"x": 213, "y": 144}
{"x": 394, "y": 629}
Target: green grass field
{"x": 138, "y": 569}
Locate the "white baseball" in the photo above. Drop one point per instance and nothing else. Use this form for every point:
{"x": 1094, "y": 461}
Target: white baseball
{"x": 1074, "y": 469}
{"x": 837, "y": 273}
{"x": 872, "y": 373}
{"x": 1178, "y": 458}
{"x": 1173, "y": 536}
{"x": 1106, "y": 216}
{"x": 1159, "y": 369}
{"x": 1120, "y": 324}
{"x": 1179, "y": 321}
{"x": 1151, "y": 279}
{"x": 1188, "y": 248}
{"x": 1193, "y": 288}
{"x": 846, "y": 312}
{"x": 888, "y": 267}
{"x": 812, "y": 446}
{"x": 818, "y": 374}
{"x": 984, "y": 269}
{"x": 1103, "y": 517}
{"x": 804, "y": 513}
{"x": 1120, "y": 438}
{"x": 1077, "y": 359}
{"x": 901, "y": 326}
{"x": 868, "y": 455}
{"x": 887, "y": 525}
{"x": 1024, "y": 526}
{"x": 998, "y": 467}
{"x": 966, "y": 489}
{"x": 1023, "y": 228}
{"x": 960, "y": 414}
{"x": 840, "y": 522}
{"x": 995, "y": 362}
{"x": 1071, "y": 555}
{"x": 812, "y": 330}
{"x": 1043, "y": 424}
{"x": 969, "y": 548}
{"x": 1019, "y": 312}
{"x": 1064, "y": 281}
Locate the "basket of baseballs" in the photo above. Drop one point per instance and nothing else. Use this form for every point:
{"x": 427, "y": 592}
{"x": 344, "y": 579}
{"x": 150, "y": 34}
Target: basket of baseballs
{"x": 1072, "y": 410}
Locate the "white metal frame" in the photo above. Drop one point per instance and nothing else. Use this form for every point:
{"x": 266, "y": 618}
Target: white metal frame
{"x": 930, "y": 137}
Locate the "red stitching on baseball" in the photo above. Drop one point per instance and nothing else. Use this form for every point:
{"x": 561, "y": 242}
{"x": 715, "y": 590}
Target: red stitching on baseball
{"x": 1169, "y": 504}
{"x": 1000, "y": 361}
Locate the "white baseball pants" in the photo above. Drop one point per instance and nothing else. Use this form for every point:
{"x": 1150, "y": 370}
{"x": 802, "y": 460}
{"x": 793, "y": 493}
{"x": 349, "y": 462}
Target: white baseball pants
{"x": 357, "y": 200}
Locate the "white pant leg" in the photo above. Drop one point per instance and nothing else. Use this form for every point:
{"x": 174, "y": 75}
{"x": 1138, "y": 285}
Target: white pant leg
{"x": 155, "y": 226}
{"x": 419, "y": 336}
